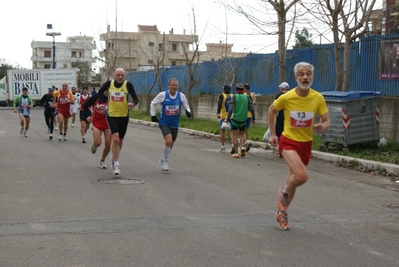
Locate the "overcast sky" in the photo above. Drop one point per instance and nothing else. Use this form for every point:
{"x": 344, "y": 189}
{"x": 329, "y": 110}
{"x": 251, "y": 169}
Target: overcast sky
{"x": 25, "y": 20}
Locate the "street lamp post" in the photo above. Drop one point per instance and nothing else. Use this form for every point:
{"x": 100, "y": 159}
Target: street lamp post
{"x": 53, "y": 34}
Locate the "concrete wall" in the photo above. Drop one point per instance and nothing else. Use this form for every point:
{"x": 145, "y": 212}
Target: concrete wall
{"x": 205, "y": 106}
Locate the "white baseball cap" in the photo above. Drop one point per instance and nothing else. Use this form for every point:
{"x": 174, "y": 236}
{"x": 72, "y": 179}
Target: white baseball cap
{"x": 284, "y": 85}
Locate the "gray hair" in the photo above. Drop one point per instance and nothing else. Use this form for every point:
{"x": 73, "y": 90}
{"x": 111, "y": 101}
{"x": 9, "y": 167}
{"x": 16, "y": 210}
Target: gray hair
{"x": 172, "y": 80}
{"x": 303, "y": 64}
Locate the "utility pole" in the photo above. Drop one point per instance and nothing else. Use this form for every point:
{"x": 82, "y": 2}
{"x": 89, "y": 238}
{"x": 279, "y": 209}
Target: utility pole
{"x": 53, "y": 34}
{"x": 116, "y": 34}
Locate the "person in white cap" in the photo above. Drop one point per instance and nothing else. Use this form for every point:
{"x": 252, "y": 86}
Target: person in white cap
{"x": 283, "y": 87}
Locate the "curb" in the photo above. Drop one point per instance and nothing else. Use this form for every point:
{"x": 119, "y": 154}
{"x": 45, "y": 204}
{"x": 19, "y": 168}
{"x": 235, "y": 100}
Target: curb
{"x": 390, "y": 168}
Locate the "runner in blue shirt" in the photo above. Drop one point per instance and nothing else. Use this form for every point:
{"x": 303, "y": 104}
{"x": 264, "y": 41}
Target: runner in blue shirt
{"x": 171, "y": 102}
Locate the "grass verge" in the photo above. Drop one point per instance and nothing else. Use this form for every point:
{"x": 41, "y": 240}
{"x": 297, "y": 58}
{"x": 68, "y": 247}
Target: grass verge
{"x": 388, "y": 153}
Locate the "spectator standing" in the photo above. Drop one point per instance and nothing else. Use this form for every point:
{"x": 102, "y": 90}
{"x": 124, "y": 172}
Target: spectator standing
{"x": 249, "y": 117}
{"x": 222, "y": 110}
{"x": 283, "y": 88}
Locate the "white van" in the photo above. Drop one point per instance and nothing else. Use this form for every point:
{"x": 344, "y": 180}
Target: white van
{"x": 3, "y": 94}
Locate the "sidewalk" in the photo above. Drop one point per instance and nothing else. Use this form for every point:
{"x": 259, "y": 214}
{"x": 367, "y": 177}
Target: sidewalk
{"x": 390, "y": 168}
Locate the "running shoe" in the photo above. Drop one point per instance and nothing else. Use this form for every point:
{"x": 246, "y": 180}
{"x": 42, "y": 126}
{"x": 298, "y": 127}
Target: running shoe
{"x": 235, "y": 155}
{"x": 93, "y": 149}
{"x": 25, "y": 134}
{"x": 102, "y": 165}
{"x": 50, "y": 137}
{"x": 223, "y": 149}
{"x": 247, "y": 146}
{"x": 60, "y": 137}
{"x": 117, "y": 170}
{"x": 242, "y": 152}
{"x": 83, "y": 140}
{"x": 21, "y": 131}
{"x": 72, "y": 125}
{"x": 164, "y": 164}
{"x": 282, "y": 218}
{"x": 65, "y": 137}
{"x": 55, "y": 128}
{"x": 232, "y": 151}
{"x": 112, "y": 161}
{"x": 283, "y": 200}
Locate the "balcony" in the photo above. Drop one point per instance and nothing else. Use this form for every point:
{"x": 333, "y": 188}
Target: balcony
{"x": 394, "y": 10}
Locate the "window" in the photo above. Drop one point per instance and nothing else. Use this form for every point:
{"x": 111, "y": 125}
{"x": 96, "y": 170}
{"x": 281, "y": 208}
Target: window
{"x": 160, "y": 47}
{"x": 73, "y": 54}
{"x": 81, "y": 54}
{"x": 151, "y": 44}
{"x": 173, "y": 63}
{"x": 174, "y": 47}
{"x": 150, "y": 61}
{"x": 47, "y": 53}
{"x": 47, "y": 66}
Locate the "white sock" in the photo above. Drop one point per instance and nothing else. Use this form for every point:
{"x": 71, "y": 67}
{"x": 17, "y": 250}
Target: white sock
{"x": 166, "y": 152}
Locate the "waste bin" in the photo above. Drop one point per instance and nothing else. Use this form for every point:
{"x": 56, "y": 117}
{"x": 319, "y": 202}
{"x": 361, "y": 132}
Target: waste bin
{"x": 355, "y": 117}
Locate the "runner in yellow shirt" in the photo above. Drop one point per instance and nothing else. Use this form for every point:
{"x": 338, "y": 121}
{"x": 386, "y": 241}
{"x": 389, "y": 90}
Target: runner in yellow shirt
{"x": 300, "y": 105}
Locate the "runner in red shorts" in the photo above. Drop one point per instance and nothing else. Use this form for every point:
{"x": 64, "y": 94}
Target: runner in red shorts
{"x": 100, "y": 125}
{"x": 64, "y": 99}
{"x": 300, "y": 105}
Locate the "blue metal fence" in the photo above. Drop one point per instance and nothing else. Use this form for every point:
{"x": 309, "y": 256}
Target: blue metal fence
{"x": 261, "y": 71}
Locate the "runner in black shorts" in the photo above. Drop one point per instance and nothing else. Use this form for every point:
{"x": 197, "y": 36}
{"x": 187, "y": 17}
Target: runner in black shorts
{"x": 119, "y": 104}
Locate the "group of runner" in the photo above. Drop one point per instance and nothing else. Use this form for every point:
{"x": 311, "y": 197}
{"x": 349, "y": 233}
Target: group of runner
{"x": 106, "y": 110}
{"x": 110, "y": 109}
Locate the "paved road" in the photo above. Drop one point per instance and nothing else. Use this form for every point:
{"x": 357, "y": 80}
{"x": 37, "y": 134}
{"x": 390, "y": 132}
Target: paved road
{"x": 209, "y": 210}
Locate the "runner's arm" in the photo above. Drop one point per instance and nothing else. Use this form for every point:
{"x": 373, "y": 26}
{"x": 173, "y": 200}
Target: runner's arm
{"x": 103, "y": 88}
{"x": 158, "y": 99}
{"x": 132, "y": 92}
{"x": 231, "y": 107}
{"x": 14, "y": 104}
{"x": 90, "y": 102}
{"x": 220, "y": 101}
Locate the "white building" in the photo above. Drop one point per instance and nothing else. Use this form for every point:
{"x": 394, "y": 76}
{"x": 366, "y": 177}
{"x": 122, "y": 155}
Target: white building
{"x": 75, "y": 49}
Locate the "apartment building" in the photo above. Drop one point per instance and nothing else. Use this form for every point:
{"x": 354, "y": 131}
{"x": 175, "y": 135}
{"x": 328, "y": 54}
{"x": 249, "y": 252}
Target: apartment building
{"x": 75, "y": 49}
{"x": 148, "y": 47}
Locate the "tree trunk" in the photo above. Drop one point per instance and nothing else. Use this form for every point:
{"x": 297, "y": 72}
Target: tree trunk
{"x": 347, "y": 51}
{"x": 281, "y": 47}
{"x": 337, "y": 51}
{"x": 189, "y": 87}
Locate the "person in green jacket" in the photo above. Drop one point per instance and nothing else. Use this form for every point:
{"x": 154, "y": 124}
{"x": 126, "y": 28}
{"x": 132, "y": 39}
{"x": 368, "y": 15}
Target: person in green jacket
{"x": 22, "y": 105}
{"x": 238, "y": 113}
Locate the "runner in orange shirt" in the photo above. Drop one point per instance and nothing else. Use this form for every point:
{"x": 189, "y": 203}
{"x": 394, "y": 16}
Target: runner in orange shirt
{"x": 64, "y": 100}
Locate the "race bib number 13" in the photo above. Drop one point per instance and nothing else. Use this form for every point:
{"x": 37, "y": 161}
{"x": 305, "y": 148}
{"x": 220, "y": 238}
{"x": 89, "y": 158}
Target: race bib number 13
{"x": 301, "y": 119}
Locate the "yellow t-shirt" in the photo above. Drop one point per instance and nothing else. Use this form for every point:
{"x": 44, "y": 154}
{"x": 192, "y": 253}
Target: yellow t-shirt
{"x": 117, "y": 105}
{"x": 299, "y": 113}
{"x": 225, "y": 105}
{"x": 252, "y": 95}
